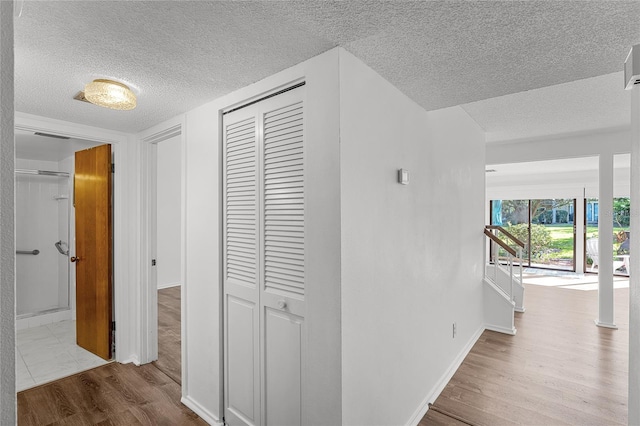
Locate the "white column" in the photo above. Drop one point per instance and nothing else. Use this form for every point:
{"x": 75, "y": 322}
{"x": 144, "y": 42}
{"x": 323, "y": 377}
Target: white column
{"x": 7, "y": 247}
{"x": 634, "y": 280}
{"x": 605, "y": 242}
{"x": 578, "y": 221}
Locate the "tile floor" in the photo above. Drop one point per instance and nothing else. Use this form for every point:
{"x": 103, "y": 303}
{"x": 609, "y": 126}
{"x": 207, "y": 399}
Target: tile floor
{"x": 49, "y": 352}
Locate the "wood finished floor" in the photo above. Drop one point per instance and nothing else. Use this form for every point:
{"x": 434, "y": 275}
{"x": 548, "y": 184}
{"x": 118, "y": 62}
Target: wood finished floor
{"x": 118, "y": 394}
{"x": 560, "y": 369}
{"x": 169, "y": 350}
{"x": 114, "y": 394}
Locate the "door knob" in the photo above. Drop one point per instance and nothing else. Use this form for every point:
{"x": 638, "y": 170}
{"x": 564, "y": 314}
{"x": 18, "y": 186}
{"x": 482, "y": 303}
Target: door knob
{"x": 74, "y": 259}
{"x": 282, "y": 304}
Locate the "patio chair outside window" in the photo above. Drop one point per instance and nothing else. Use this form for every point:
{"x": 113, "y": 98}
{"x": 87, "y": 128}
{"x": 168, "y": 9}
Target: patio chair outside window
{"x": 592, "y": 253}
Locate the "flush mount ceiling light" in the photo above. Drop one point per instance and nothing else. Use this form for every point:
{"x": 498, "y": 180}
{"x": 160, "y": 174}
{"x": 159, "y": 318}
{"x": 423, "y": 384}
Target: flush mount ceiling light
{"x": 110, "y": 94}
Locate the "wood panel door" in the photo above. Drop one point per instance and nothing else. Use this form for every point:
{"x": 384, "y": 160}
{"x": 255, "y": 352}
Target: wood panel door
{"x": 93, "y": 259}
{"x": 264, "y": 263}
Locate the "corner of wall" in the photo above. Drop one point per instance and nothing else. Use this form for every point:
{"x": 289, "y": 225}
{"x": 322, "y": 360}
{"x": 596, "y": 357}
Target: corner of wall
{"x": 7, "y": 248}
{"x": 412, "y": 255}
{"x": 439, "y": 386}
{"x": 323, "y": 392}
{"x": 202, "y": 411}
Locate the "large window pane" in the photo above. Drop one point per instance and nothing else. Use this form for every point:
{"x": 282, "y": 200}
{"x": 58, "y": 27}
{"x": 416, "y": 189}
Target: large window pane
{"x": 512, "y": 215}
{"x": 553, "y": 234}
{"x": 621, "y": 232}
{"x": 545, "y": 226}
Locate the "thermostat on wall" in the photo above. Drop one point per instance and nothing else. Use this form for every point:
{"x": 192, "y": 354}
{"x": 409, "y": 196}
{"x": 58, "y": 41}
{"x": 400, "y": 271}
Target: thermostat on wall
{"x": 403, "y": 176}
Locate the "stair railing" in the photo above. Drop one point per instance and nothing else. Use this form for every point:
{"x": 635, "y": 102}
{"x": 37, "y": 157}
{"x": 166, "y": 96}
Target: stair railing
{"x": 519, "y": 243}
{"x": 491, "y": 231}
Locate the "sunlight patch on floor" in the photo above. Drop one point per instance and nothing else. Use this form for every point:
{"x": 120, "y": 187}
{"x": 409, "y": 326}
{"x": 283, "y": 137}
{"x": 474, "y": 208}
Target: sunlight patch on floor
{"x": 573, "y": 281}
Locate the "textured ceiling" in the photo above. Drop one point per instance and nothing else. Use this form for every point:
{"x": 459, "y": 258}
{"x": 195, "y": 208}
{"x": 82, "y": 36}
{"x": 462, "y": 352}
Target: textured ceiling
{"x": 585, "y": 105}
{"x": 178, "y": 55}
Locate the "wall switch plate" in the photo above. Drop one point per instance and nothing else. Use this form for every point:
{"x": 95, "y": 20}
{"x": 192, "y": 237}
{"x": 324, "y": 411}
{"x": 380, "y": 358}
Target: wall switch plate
{"x": 403, "y": 176}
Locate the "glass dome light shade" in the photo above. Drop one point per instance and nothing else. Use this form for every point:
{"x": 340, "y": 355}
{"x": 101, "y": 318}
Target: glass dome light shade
{"x": 110, "y": 94}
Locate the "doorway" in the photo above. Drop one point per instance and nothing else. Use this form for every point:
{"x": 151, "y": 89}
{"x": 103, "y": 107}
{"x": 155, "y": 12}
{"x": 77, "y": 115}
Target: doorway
{"x": 45, "y": 236}
{"x": 165, "y": 174}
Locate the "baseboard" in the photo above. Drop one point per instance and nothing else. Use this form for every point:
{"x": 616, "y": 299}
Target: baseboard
{"x": 201, "y": 411}
{"x": 512, "y": 331}
{"x": 44, "y": 318}
{"x": 168, "y": 285}
{"x": 440, "y": 384}
{"x": 521, "y": 310}
{"x": 131, "y": 360}
{"x": 605, "y": 324}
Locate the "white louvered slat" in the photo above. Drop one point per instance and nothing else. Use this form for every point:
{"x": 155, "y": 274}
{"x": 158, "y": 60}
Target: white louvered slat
{"x": 283, "y": 169}
{"x": 241, "y": 202}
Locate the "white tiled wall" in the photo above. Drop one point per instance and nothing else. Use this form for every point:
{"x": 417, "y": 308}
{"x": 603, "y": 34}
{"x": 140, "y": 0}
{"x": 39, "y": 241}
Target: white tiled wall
{"x": 41, "y": 220}
{"x": 43, "y": 319}
{"x": 66, "y": 272}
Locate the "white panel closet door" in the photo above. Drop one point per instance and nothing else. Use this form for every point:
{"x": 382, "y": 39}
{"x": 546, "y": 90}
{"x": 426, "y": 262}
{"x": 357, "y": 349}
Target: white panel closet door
{"x": 264, "y": 261}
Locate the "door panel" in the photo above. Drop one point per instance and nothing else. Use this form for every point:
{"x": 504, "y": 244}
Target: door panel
{"x": 93, "y": 259}
{"x": 241, "y": 270}
{"x": 283, "y": 354}
{"x": 243, "y": 362}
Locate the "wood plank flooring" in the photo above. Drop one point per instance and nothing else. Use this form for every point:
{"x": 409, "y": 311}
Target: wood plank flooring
{"x": 169, "y": 350}
{"x": 560, "y": 369}
{"x": 118, "y": 394}
{"x": 114, "y": 394}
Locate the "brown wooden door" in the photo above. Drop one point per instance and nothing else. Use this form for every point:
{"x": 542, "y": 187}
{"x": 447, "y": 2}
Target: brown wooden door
{"x": 93, "y": 259}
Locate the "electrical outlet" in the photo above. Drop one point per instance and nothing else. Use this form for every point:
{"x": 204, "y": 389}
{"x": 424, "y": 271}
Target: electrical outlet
{"x": 455, "y": 330}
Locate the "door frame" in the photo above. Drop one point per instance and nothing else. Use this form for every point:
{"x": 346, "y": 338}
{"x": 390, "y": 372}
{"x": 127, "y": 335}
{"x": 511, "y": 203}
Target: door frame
{"x": 149, "y": 290}
{"x": 123, "y": 303}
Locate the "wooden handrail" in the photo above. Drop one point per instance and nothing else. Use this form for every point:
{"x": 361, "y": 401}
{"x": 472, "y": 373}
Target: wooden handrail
{"x": 507, "y": 233}
{"x": 498, "y": 241}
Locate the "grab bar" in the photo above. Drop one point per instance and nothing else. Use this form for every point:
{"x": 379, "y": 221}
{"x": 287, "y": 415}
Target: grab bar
{"x": 60, "y": 249}
{"x": 33, "y": 252}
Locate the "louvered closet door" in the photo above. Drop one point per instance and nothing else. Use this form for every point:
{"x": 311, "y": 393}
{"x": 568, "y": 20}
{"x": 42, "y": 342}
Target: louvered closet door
{"x": 264, "y": 261}
{"x": 241, "y": 269}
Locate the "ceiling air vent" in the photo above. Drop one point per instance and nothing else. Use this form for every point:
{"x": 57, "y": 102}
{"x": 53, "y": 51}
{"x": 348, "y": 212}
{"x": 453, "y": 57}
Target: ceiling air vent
{"x": 49, "y": 135}
{"x": 490, "y": 171}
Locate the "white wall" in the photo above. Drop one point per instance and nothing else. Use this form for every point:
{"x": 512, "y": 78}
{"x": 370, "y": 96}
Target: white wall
{"x": 202, "y": 381}
{"x": 41, "y": 220}
{"x": 412, "y": 256}
{"x": 168, "y": 208}
{"x": 552, "y": 148}
{"x": 64, "y": 207}
{"x": 68, "y": 218}
{"x": 7, "y": 245}
{"x": 554, "y": 185}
